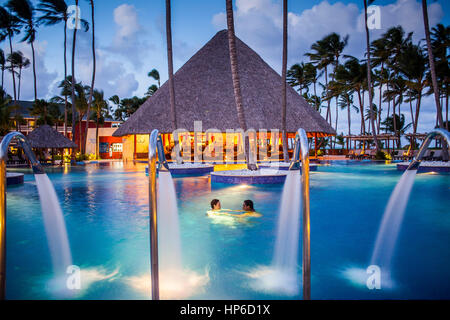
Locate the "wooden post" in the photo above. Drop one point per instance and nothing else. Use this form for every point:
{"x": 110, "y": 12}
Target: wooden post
{"x": 315, "y": 145}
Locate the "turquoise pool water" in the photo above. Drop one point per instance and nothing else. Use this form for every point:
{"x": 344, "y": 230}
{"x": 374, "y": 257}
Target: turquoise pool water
{"x": 106, "y": 212}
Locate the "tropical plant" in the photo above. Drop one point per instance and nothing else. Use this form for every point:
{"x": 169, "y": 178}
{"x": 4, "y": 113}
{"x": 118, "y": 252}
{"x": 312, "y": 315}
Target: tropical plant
{"x": 17, "y": 60}
{"x": 321, "y": 57}
{"x": 155, "y": 75}
{"x": 25, "y": 14}
{"x": 151, "y": 90}
{"x": 6, "y": 123}
{"x": 397, "y": 127}
{"x": 9, "y": 26}
{"x": 55, "y": 12}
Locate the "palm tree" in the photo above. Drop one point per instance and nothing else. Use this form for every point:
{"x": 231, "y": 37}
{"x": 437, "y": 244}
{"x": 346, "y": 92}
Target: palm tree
{"x": 100, "y": 107}
{"x": 353, "y": 74}
{"x": 433, "y": 69}
{"x": 151, "y": 90}
{"x": 440, "y": 42}
{"x": 9, "y": 26}
{"x": 397, "y": 89}
{"x": 91, "y": 92}
{"x": 73, "y": 89}
{"x": 321, "y": 57}
{"x": 54, "y": 12}
{"x": 369, "y": 76}
{"x": 397, "y": 127}
{"x": 412, "y": 64}
{"x": 170, "y": 71}
{"x": 346, "y": 102}
{"x": 24, "y": 12}
{"x": 297, "y": 77}
{"x": 2, "y": 64}
{"x": 155, "y": 75}
{"x": 39, "y": 110}
{"x": 236, "y": 79}
{"x": 17, "y": 60}
{"x": 6, "y": 123}
{"x": 283, "y": 84}
{"x": 380, "y": 55}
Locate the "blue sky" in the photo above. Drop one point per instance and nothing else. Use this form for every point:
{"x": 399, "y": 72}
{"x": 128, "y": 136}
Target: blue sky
{"x": 130, "y": 38}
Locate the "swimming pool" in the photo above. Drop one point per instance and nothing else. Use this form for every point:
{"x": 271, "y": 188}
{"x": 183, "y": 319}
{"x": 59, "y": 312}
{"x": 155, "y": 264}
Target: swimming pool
{"x": 106, "y": 212}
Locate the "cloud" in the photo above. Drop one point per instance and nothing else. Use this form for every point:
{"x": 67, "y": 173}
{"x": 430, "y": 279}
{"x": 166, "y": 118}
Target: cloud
{"x": 112, "y": 74}
{"x": 258, "y": 23}
{"x": 128, "y": 38}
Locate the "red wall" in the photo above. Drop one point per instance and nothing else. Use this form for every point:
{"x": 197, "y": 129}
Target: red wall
{"x": 111, "y": 140}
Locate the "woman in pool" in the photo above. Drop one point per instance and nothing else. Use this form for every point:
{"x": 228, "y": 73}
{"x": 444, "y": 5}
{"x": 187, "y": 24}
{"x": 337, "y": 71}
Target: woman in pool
{"x": 247, "y": 210}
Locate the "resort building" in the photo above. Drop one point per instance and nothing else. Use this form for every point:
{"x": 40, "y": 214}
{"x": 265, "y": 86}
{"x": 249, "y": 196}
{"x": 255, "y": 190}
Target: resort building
{"x": 109, "y": 147}
{"x": 205, "y": 104}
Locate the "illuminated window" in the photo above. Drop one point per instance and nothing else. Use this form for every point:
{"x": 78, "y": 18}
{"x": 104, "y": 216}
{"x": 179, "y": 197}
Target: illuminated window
{"x": 117, "y": 147}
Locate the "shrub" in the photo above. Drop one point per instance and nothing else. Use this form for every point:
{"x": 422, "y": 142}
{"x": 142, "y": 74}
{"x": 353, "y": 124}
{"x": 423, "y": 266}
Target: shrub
{"x": 380, "y": 155}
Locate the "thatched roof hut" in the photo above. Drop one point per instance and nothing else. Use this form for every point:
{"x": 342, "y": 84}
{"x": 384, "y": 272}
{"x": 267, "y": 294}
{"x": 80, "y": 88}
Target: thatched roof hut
{"x": 204, "y": 92}
{"x": 47, "y": 137}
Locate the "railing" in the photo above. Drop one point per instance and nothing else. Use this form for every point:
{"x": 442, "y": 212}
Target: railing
{"x": 301, "y": 152}
{"x": 37, "y": 169}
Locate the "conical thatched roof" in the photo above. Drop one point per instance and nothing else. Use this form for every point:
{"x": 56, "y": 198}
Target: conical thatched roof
{"x": 47, "y": 137}
{"x": 204, "y": 92}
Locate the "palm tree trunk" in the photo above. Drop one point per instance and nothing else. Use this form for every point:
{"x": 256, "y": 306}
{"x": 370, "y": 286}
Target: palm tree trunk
{"x": 283, "y": 85}
{"x": 235, "y": 77}
{"x": 170, "y": 71}
{"x": 349, "y": 123}
{"x": 369, "y": 79}
{"x": 97, "y": 155}
{"x": 12, "y": 69}
{"x": 433, "y": 74}
{"x": 34, "y": 70}
{"x": 328, "y": 116}
{"x": 446, "y": 111}
{"x": 74, "y": 81}
{"x": 20, "y": 80}
{"x": 91, "y": 91}
{"x": 361, "y": 111}
{"x": 380, "y": 99}
{"x": 65, "y": 77}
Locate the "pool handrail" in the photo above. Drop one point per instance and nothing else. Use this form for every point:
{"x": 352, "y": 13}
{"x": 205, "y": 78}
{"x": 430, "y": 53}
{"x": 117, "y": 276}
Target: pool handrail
{"x": 301, "y": 152}
{"x": 155, "y": 152}
{"x": 37, "y": 169}
{"x": 415, "y": 163}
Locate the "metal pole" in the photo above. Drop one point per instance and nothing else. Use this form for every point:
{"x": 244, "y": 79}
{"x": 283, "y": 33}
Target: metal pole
{"x": 302, "y": 151}
{"x": 155, "y": 150}
{"x": 2, "y": 229}
{"x": 436, "y": 132}
{"x": 153, "y": 215}
{"x": 37, "y": 169}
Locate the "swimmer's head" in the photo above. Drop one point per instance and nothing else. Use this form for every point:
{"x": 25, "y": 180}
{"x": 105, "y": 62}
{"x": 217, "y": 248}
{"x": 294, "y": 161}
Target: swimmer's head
{"x": 248, "y": 205}
{"x": 215, "y": 204}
